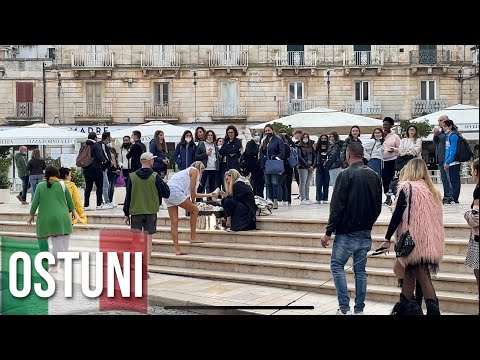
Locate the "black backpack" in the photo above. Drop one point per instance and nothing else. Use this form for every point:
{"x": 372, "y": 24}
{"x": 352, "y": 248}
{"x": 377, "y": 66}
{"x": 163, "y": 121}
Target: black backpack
{"x": 463, "y": 153}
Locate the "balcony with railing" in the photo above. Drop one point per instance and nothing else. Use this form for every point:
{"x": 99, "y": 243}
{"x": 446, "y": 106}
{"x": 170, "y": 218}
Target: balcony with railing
{"x": 475, "y": 57}
{"x": 228, "y": 59}
{"x": 86, "y": 111}
{"x": 363, "y": 58}
{"x": 424, "y": 107}
{"x": 166, "y": 111}
{"x": 430, "y": 57}
{"x": 291, "y": 107}
{"x": 24, "y": 112}
{"x": 159, "y": 60}
{"x": 296, "y": 59}
{"x": 92, "y": 60}
{"x": 372, "y": 107}
{"x": 223, "y": 110}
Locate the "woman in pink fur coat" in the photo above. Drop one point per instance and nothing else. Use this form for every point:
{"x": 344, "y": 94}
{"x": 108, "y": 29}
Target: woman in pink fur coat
{"x": 426, "y": 229}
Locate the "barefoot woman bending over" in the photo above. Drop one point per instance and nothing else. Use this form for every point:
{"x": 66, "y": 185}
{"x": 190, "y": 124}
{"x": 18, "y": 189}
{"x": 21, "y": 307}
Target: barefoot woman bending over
{"x": 183, "y": 192}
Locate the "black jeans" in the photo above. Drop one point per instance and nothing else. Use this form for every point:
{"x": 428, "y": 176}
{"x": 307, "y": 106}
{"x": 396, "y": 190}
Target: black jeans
{"x": 208, "y": 181}
{"x": 25, "y": 187}
{"x": 89, "y": 180}
{"x": 388, "y": 173}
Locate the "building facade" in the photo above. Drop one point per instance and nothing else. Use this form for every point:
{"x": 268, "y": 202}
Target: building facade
{"x": 229, "y": 84}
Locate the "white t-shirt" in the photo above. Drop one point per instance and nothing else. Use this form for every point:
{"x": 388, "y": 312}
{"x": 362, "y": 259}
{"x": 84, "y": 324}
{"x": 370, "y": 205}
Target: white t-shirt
{"x": 181, "y": 180}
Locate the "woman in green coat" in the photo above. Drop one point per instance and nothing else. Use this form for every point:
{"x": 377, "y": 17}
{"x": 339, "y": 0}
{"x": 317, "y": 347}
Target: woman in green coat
{"x": 54, "y": 204}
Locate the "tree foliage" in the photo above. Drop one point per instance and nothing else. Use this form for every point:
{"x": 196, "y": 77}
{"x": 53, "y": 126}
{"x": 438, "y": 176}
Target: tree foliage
{"x": 423, "y": 126}
{"x": 277, "y": 126}
{"x": 5, "y": 163}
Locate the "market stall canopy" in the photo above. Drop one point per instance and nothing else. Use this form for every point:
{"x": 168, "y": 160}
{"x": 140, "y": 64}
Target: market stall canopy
{"x": 172, "y": 133}
{"x": 466, "y": 117}
{"x": 39, "y": 134}
{"x": 322, "y": 121}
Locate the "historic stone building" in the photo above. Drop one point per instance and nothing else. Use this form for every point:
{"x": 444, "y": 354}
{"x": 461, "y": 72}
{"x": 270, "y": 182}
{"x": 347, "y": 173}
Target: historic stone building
{"x": 216, "y": 85}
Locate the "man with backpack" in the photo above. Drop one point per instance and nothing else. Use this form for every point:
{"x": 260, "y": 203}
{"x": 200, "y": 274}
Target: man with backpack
{"x": 90, "y": 159}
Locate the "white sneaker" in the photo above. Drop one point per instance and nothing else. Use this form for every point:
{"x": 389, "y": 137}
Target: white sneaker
{"x": 358, "y": 313}
{"x": 217, "y": 191}
{"x": 114, "y": 205}
{"x": 318, "y": 202}
{"x": 308, "y": 202}
{"x": 339, "y": 312}
{"x": 303, "y": 202}
{"x": 325, "y": 202}
{"x": 89, "y": 208}
{"x": 106, "y": 206}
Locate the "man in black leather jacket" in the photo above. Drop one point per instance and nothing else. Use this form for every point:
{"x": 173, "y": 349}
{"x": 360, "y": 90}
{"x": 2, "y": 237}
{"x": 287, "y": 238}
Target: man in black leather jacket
{"x": 355, "y": 206}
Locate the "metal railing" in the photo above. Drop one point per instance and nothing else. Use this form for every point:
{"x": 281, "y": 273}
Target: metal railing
{"x": 372, "y": 107}
{"x": 161, "y": 110}
{"x": 92, "y": 109}
{"x": 92, "y": 60}
{"x": 424, "y": 107}
{"x": 223, "y": 108}
{"x": 291, "y": 107}
{"x": 363, "y": 58}
{"x": 430, "y": 57}
{"x": 24, "y": 110}
{"x": 297, "y": 59}
{"x": 475, "y": 57}
{"x": 228, "y": 59}
{"x": 160, "y": 59}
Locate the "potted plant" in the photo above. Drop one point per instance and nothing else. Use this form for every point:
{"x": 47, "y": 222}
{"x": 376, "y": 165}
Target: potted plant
{"x": 5, "y": 183}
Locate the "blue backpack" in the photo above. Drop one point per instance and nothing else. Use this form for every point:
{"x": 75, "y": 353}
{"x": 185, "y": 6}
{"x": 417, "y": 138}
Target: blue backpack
{"x": 293, "y": 158}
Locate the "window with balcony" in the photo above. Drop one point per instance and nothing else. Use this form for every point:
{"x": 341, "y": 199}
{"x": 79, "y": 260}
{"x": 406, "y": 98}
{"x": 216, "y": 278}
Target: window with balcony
{"x": 362, "y": 55}
{"x": 228, "y": 99}
{"x": 427, "y": 54}
{"x": 296, "y": 55}
{"x": 94, "y": 99}
{"x": 295, "y": 96}
{"x": 362, "y": 96}
{"x": 427, "y": 90}
{"x": 24, "y": 99}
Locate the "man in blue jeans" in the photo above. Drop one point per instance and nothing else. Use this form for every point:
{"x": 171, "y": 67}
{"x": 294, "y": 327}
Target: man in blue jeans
{"x": 355, "y": 206}
{"x": 439, "y": 139}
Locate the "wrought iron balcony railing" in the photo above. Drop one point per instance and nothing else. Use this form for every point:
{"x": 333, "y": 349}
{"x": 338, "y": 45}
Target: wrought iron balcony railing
{"x": 424, "y": 107}
{"x": 92, "y": 60}
{"x": 430, "y": 57}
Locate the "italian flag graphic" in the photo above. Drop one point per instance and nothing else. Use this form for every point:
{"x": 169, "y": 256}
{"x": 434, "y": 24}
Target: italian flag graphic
{"x": 104, "y": 273}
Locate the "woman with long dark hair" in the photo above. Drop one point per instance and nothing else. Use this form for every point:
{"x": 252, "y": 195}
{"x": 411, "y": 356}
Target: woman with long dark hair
{"x": 184, "y": 154}
{"x": 232, "y": 148}
{"x": 207, "y": 153}
{"x": 306, "y": 166}
{"x": 322, "y": 177}
{"x": 158, "y": 147}
{"x": 334, "y": 163}
{"x": 353, "y": 136}
{"x": 373, "y": 151}
{"x": 35, "y": 167}
{"x": 54, "y": 203}
{"x": 451, "y": 166}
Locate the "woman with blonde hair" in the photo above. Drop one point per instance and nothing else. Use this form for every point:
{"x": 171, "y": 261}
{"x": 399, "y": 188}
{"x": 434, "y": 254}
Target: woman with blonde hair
{"x": 239, "y": 203}
{"x": 183, "y": 192}
{"x": 418, "y": 209}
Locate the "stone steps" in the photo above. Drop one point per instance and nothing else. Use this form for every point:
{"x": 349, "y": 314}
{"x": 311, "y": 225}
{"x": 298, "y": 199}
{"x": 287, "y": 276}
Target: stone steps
{"x": 464, "y": 283}
{"x": 460, "y": 230}
{"x": 453, "y": 246}
{"x": 449, "y": 301}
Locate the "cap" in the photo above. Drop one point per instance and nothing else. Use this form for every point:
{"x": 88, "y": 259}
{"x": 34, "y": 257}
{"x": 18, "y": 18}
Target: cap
{"x": 147, "y": 156}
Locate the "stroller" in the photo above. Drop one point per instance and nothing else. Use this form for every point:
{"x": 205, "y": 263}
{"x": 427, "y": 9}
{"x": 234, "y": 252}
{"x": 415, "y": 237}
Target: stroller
{"x": 400, "y": 163}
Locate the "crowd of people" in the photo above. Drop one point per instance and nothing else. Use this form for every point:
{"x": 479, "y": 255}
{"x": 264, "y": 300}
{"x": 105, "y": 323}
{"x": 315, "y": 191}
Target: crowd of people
{"x": 219, "y": 168}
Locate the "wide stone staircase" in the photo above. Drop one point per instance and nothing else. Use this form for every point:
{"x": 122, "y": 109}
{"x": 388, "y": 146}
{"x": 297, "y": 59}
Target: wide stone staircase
{"x": 283, "y": 252}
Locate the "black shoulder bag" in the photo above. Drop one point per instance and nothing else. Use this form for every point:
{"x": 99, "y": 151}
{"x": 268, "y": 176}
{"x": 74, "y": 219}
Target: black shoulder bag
{"x": 405, "y": 244}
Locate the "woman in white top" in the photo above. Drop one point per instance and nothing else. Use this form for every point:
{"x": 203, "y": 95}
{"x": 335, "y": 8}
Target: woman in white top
{"x": 411, "y": 145}
{"x": 374, "y": 151}
{"x": 183, "y": 192}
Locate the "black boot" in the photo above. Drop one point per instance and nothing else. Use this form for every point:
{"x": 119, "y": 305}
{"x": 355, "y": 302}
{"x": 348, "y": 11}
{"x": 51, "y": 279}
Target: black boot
{"x": 432, "y": 307}
{"x": 406, "y": 307}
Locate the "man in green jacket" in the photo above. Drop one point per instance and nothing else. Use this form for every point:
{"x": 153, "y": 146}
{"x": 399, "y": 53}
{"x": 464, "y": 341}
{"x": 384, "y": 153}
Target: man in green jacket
{"x": 21, "y": 164}
{"x": 145, "y": 190}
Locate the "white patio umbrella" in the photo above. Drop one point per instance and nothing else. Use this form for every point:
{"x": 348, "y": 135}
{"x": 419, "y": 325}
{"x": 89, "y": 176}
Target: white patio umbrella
{"x": 173, "y": 133}
{"x": 322, "y": 121}
{"x": 39, "y": 134}
{"x": 467, "y": 116}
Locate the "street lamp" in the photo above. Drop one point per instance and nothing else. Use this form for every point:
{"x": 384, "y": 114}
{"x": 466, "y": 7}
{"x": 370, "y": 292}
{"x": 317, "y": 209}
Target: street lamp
{"x": 328, "y": 89}
{"x": 195, "y": 90}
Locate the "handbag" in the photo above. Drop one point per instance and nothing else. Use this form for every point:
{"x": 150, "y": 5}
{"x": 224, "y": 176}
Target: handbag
{"x": 120, "y": 182}
{"x": 405, "y": 244}
{"x": 273, "y": 167}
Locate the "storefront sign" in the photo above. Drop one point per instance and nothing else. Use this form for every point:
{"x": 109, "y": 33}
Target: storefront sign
{"x": 467, "y": 127}
{"x": 37, "y": 141}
